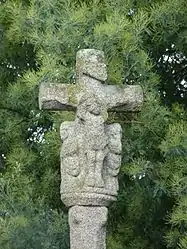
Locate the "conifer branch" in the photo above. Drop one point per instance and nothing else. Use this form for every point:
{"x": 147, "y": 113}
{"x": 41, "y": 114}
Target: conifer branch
{"x": 10, "y": 109}
{"x": 15, "y": 125}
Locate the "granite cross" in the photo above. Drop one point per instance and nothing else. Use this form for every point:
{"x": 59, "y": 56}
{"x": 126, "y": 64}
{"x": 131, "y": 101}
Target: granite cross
{"x": 91, "y": 148}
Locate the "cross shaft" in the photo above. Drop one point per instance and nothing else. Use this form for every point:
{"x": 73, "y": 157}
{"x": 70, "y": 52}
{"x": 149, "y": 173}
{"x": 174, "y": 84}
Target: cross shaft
{"x": 91, "y": 148}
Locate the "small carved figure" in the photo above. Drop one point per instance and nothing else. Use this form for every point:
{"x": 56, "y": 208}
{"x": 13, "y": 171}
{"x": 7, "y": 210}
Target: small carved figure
{"x": 113, "y": 160}
{"x": 69, "y": 151}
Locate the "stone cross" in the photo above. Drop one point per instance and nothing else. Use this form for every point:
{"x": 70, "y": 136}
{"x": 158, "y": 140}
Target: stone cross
{"x": 91, "y": 148}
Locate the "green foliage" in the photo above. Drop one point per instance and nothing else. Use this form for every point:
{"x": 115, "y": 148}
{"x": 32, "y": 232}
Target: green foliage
{"x": 25, "y": 221}
{"x": 145, "y": 43}
{"x": 31, "y": 226}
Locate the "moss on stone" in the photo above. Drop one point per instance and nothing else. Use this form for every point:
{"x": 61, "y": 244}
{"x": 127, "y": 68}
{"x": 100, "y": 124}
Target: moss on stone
{"x": 72, "y": 91}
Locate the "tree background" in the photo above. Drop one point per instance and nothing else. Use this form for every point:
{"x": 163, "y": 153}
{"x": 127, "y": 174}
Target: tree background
{"x": 145, "y": 42}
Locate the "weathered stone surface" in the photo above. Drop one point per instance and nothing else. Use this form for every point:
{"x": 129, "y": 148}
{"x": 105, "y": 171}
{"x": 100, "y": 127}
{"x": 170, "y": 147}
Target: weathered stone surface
{"x": 123, "y": 98}
{"x": 91, "y": 62}
{"x": 59, "y": 96}
{"x": 87, "y": 227}
{"x": 91, "y": 149}
{"x": 90, "y": 155}
{"x": 91, "y": 74}
{"x": 67, "y": 97}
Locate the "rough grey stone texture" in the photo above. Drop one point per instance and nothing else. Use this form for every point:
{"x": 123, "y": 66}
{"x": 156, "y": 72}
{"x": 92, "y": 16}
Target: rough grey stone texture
{"x": 58, "y": 96}
{"x": 91, "y": 73}
{"x": 90, "y": 159}
{"x": 87, "y": 227}
{"x": 67, "y": 97}
{"x": 91, "y": 62}
{"x": 91, "y": 149}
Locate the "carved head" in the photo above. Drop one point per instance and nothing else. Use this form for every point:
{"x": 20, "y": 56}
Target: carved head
{"x": 91, "y": 62}
{"x": 91, "y": 104}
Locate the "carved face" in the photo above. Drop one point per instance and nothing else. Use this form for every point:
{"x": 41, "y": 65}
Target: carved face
{"x": 90, "y": 105}
{"x": 94, "y": 107}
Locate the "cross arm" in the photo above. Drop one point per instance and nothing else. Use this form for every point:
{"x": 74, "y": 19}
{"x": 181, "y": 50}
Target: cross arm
{"x": 58, "y": 96}
{"x": 125, "y": 98}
